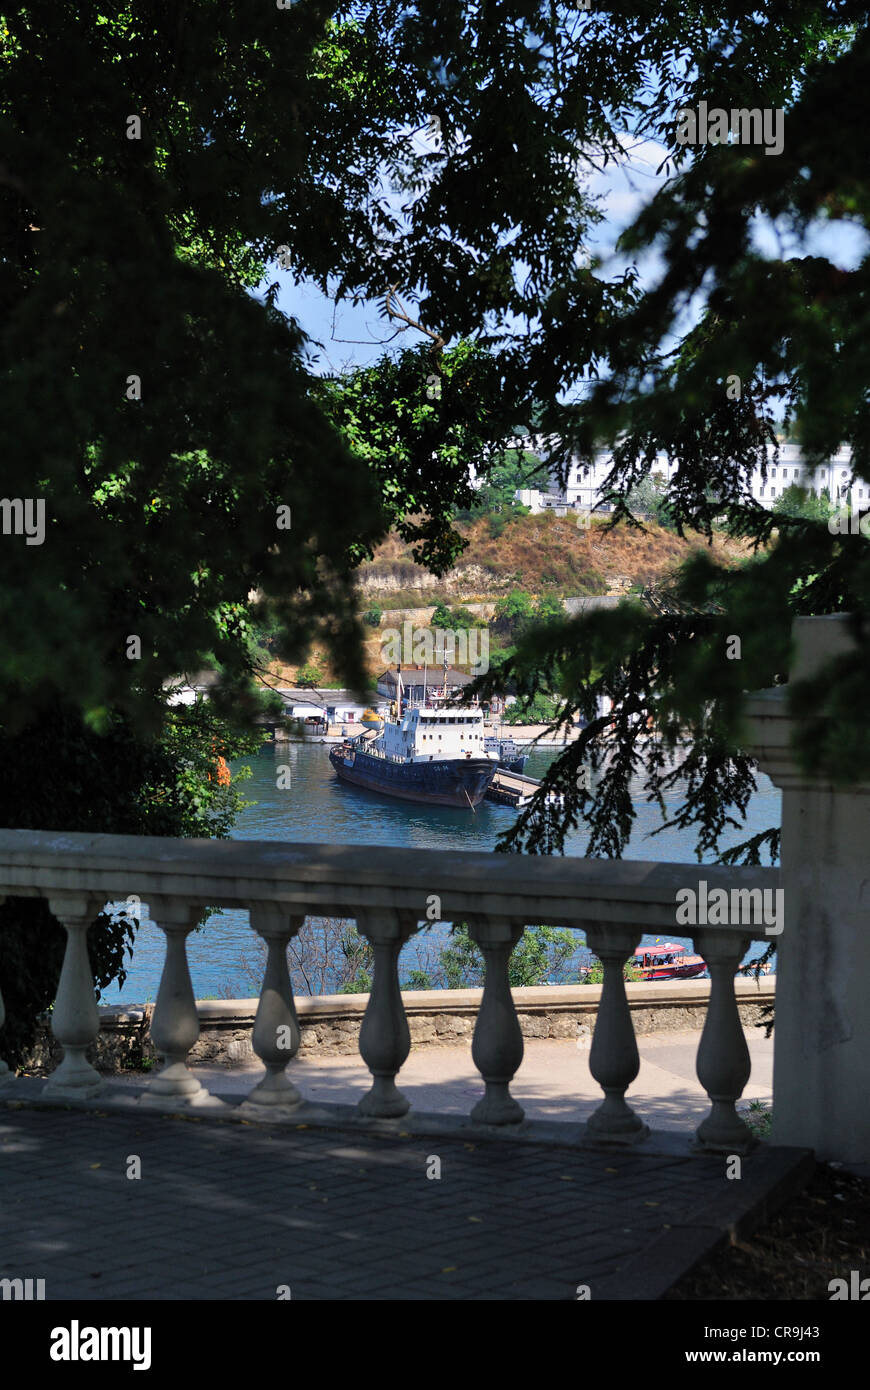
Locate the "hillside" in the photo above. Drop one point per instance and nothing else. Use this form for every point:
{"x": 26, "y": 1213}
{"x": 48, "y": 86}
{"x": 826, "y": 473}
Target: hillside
{"x": 541, "y": 554}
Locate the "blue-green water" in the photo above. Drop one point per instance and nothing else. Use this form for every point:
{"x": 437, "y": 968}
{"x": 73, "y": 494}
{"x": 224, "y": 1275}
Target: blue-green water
{"x": 317, "y": 808}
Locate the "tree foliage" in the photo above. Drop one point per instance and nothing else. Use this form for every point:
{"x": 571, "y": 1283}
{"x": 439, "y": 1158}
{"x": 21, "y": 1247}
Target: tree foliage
{"x": 69, "y": 776}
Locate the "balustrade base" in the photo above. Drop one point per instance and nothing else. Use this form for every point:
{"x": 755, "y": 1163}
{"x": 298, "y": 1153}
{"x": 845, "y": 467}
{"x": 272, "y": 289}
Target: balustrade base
{"x": 172, "y": 1100}
{"x": 74, "y": 1075}
{"x": 384, "y": 1101}
{"x": 723, "y": 1131}
{"x": 65, "y": 1091}
{"x": 268, "y": 1096}
{"x": 740, "y": 1147}
{"x": 498, "y": 1109}
{"x": 175, "y": 1079}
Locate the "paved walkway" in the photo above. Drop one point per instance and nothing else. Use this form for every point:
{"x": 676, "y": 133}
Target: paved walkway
{"x": 223, "y": 1211}
{"x": 428, "y": 1207}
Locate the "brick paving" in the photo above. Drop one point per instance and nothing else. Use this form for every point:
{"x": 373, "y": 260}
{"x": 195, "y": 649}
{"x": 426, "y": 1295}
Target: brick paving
{"x": 231, "y": 1211}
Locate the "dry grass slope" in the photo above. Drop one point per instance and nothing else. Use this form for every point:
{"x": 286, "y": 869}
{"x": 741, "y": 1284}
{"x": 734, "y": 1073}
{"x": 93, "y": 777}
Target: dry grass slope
{"x": 541, "y": 554}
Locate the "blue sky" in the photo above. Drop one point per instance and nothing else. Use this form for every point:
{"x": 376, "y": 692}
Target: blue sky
{"x": 352, "y": 336}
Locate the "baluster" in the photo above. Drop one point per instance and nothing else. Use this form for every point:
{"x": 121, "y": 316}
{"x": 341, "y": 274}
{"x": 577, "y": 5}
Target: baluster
{"x": 75, "y": 1019}
{"x": 275, "y": 1036}
{"x": 385, "y": 1038}
{"x": 497, "y": 1045}
{"x": 613, "y": 1058}
{"x": 723, "y": 1064}
{"x": 175, "y": 1022}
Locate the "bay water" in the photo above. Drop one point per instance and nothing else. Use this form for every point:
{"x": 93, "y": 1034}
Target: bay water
{"x": 225, "y": 956}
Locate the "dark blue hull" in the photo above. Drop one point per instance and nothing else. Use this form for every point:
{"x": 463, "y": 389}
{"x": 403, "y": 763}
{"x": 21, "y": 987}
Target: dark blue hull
{"x": 510, "y": 756}
{"x": 516, "y": 764}
{"x": 448, "y": 782}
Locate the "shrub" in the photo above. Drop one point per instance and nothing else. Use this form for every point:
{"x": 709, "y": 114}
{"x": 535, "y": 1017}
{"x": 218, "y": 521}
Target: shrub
{"x": 540, "y": 710}
{"x": 595, "y": 974}
{"x": 540, "y": 956}
{"x": 310, "y": 674}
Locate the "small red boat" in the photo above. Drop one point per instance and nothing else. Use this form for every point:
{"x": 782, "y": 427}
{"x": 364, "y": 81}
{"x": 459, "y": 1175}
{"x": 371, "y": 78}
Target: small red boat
{"x": 667, "y": 961}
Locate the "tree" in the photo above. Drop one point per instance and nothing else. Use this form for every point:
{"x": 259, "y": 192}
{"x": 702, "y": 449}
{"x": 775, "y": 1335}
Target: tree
{"x": 548, "y": 608}
{"x": 182, "y": 470}
{"x": 796, "y": 501}
{"x": 418, "y": 424}
{"x": 441, "y": 616}
{"x": 143, "y": 786}
{"x": 774, "y": 335}
{"x": 541, "y": 956}
{"x": 513, "y": 612}
{"x": 197, "y": 428}
{"x": 373, "y": 615}
{"x": 515, "y": 469}
{"x": 539, "y": 709}
{"x": 650, "y": 495}
{"x": 310, "y": 674}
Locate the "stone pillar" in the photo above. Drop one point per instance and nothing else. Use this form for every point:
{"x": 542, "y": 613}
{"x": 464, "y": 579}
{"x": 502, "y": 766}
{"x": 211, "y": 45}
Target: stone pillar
{"x": 75, "y": 1019}
{"x": 613, "y": 1058}
{"x": 821, "y": 1073}
{"x": 497, "y": 1045}
{"x": 384, "y": 1036}
{"x": 175, "y": 1022}
{"x": 275, "y": 1036}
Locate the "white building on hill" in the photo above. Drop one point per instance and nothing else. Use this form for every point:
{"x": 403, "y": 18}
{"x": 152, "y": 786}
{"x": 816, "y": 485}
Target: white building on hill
{"x": 585, "y": 481}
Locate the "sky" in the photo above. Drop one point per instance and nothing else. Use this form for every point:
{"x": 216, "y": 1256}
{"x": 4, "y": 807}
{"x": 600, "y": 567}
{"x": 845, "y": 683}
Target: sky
{"x": 347, "y": 336}
{"x": 356, "y": 336}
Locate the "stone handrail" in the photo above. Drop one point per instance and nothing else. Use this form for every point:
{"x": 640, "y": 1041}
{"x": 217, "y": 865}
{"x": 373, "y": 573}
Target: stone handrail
{"x": 390, "y": 893}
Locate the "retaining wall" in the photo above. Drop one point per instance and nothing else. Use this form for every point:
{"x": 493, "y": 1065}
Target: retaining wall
{"x": 330, "y": 1024}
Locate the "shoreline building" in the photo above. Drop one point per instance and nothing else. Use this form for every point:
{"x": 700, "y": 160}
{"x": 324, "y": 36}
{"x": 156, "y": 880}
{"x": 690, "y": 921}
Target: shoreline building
{"x": 585, "y": 481}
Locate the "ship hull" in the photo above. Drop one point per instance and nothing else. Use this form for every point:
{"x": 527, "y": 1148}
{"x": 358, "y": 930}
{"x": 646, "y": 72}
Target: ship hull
{"x": 459, "y": 782}
{"x": 517, "y": 764}
{"x": 675, "y": 972}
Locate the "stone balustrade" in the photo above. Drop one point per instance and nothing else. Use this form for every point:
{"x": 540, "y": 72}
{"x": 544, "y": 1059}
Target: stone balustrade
{"x": 390, "y": 894}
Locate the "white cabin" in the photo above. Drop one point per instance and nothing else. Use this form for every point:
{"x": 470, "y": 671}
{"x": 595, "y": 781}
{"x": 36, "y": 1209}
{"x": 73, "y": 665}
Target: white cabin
{"x": 426, "y": 735}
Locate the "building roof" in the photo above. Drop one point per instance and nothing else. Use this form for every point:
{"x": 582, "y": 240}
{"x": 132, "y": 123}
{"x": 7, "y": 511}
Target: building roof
{"x": 302, "y": 694}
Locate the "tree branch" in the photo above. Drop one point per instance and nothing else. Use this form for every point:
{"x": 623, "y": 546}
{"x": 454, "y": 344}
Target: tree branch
{"x": 404, "y": 317}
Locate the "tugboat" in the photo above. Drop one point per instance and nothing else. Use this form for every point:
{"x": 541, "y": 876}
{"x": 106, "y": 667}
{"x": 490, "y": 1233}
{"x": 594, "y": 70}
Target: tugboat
{"x": 511, "y": 756}
{"x": 432, "y": 755}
